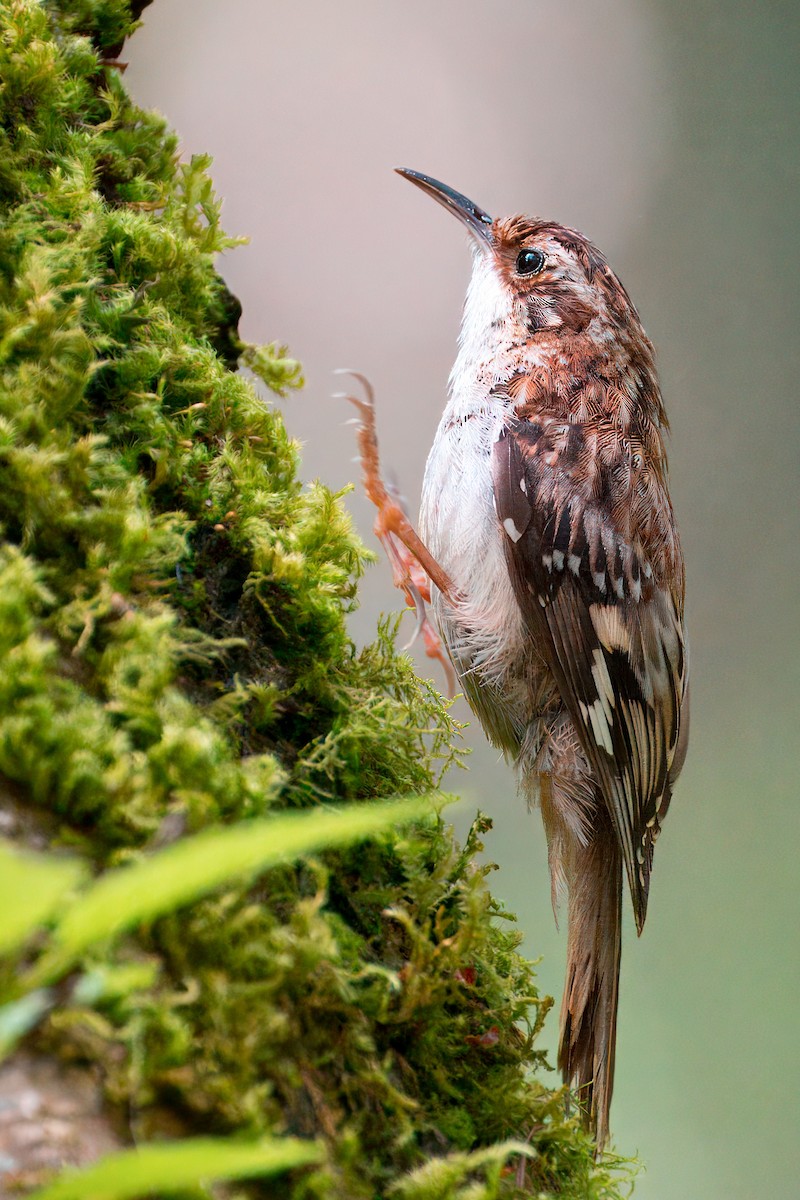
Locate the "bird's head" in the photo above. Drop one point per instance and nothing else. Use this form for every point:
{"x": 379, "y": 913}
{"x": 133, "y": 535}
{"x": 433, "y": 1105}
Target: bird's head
{"x": 533, "y": 281}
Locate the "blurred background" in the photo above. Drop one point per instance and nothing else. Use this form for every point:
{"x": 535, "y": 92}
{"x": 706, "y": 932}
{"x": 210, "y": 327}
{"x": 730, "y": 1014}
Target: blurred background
{"x": 668, "y": 133}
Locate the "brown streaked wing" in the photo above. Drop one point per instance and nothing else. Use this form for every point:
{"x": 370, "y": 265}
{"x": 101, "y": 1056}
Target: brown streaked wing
{"x": 608, "y": 626}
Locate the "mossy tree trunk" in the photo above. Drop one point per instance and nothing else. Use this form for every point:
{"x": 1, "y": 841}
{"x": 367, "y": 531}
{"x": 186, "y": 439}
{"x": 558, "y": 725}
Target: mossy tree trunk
{"x": 175, "y": 658}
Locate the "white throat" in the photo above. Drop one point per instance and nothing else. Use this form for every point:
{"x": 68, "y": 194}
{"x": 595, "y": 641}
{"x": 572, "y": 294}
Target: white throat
{"x": 487, "y": 310}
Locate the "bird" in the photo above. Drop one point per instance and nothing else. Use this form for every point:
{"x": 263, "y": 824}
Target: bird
{"x": 548, "y": 553}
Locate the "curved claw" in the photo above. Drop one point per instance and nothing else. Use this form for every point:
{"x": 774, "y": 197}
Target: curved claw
{"x": 365, "y": 383}
{"x": 420, "y": 613}
{"x": 364, "y": 405}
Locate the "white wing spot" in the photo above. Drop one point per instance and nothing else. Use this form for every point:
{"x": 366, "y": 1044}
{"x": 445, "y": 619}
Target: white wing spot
{"x": 558, "y": 560}
{"x": 511, "y": 529}
{"x": 574, "y": 563}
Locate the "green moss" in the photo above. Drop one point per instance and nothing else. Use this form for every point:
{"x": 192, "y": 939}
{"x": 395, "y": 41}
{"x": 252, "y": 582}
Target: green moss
{"x": 175, "y": 653}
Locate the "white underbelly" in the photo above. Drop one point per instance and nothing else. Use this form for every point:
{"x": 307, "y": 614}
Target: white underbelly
{"x": 486, "y": 636}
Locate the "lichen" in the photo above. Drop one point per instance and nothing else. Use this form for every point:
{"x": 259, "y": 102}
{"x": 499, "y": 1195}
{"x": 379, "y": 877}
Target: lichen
{"x": 175, "y": 654}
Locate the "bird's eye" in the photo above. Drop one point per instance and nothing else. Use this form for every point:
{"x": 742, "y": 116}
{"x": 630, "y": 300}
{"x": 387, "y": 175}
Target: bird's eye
{"x": 529, "y": 262}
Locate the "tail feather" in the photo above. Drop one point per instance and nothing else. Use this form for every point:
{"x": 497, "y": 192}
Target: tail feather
{"x": 589, "y": 1006}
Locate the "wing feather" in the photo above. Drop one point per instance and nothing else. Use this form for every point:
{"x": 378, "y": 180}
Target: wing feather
{"x": 596, "y": 592}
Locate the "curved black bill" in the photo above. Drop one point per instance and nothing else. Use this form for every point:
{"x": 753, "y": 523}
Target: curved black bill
{"x": 478, "y": 222}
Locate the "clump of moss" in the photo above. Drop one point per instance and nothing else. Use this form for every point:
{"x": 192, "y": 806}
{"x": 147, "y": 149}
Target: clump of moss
{"x": 174, "y": 654}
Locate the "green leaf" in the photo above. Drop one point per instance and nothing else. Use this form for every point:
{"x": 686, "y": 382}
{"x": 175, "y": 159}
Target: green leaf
{"x": 19, "y": 1017}
{"x": 173, "y": 1165}
{"x": 198, "y": 865}
{"x": 31, "y": 888}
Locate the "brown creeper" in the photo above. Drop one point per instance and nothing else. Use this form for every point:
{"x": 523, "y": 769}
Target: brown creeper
{"x": 557, "y": 580}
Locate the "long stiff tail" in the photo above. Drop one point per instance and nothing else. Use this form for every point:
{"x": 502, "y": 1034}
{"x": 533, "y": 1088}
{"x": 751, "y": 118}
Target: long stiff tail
{"x": 589, "y": 1007}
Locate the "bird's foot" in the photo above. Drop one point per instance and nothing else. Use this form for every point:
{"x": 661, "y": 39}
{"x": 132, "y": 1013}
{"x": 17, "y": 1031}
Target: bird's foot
{"x": 413, "y": 566}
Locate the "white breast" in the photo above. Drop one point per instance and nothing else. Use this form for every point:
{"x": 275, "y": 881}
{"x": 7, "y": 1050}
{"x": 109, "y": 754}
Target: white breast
{"x": 459, "y": 525}
{"x": 491, "y": 650}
